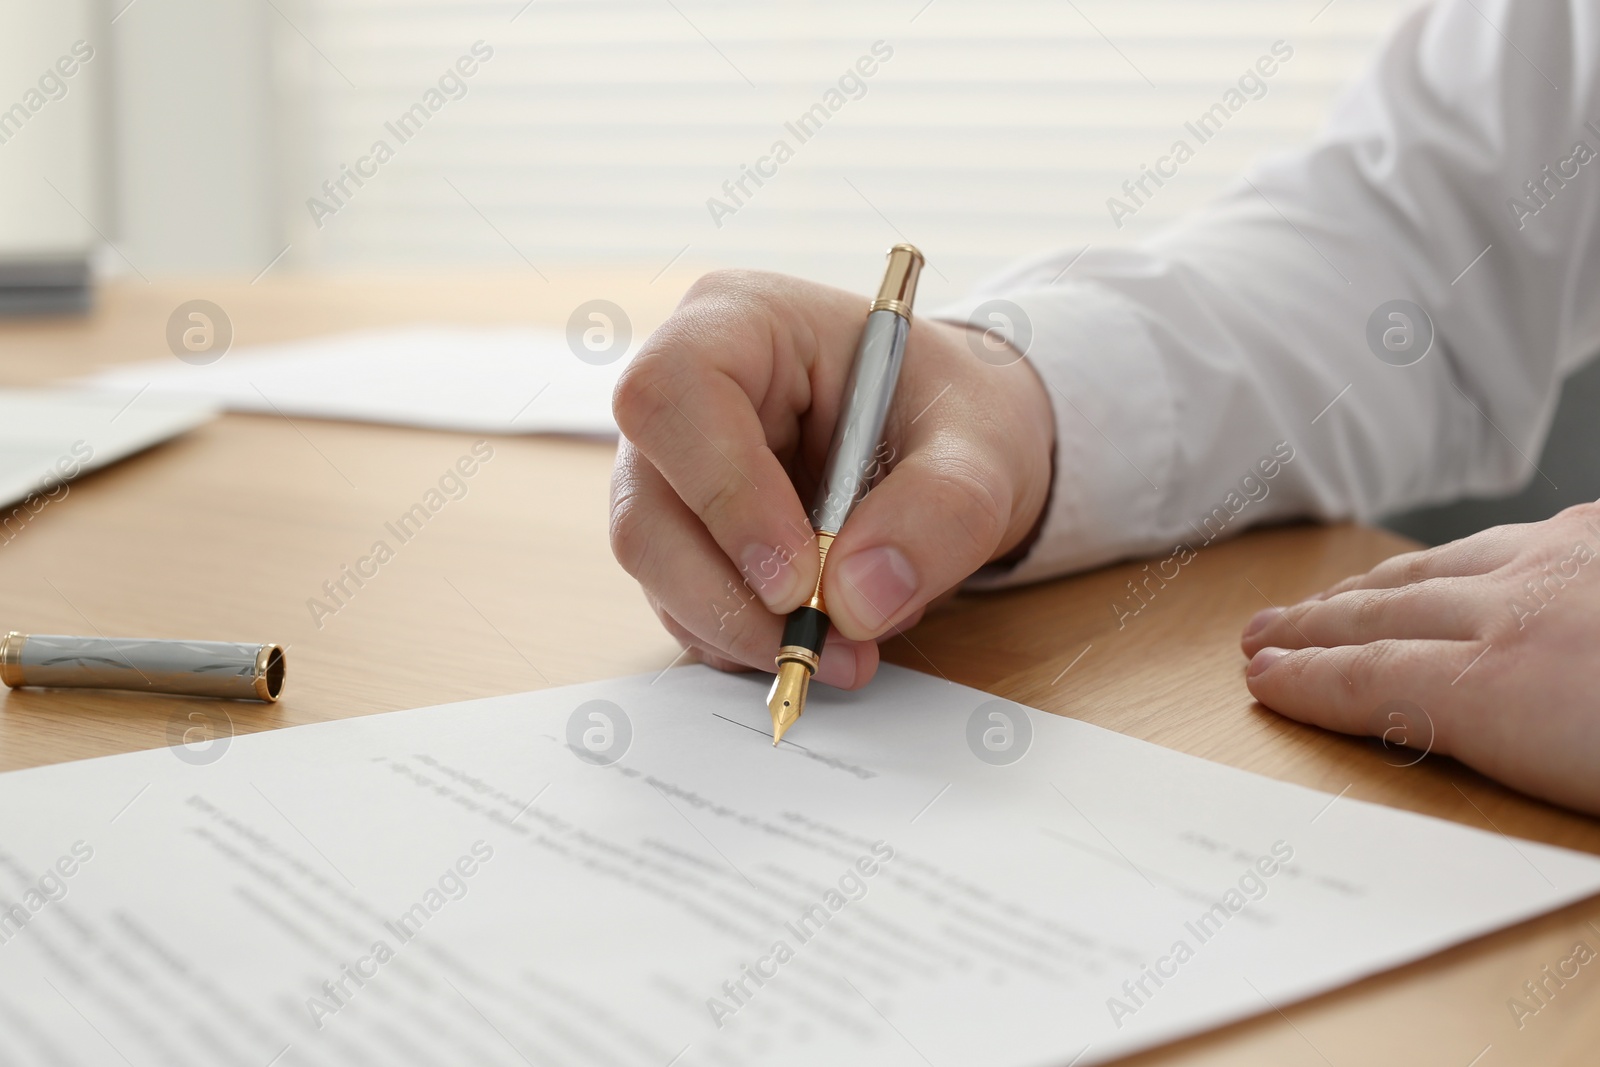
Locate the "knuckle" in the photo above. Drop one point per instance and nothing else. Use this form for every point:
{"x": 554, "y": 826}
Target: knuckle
{"x": 720, "y": 504}
{"x": 1344, "y": 585}
{"x": 749, "y": 649}
{"x": 1368, "y": 661}
{"x": 1386, "y": 662}
{"x": 1282, "y": 630}
{"x": 1369, "y": 609}
{"x": 1507, "y": 626}
{"x": 1416, "y": 567}
{"x": 971, "y": 506}
{"x": 637, "y": 396}
{"x": 724, "y": 282}
{"x": 734, "y": 638}
{"x": 724, "y": 623}
{"x": 677, "y": 630}
{"x": 1582, "y": 512}
{"x": 630, "y": 540}
{"x": 728, "y": 666}
{"x": 1295, "y": 614}
{"x": 1496, "y": 542}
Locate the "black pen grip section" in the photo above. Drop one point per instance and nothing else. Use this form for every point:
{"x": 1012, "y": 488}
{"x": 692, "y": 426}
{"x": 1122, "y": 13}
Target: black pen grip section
{"x": 806, "y": 627}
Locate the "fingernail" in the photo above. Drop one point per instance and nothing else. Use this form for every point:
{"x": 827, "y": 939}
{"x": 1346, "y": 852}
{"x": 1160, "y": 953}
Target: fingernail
{"x": 1264, "y": 659}
{"x": 1259, "y": 620}
{"x": 838, "y": 666}
{"x": 770, "y": 572}
{"x": 876, "y": 584}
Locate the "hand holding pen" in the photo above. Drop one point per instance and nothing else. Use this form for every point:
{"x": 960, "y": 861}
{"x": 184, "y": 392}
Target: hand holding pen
{"x": 851, "y": 468}
{"x": 727, "y": 416}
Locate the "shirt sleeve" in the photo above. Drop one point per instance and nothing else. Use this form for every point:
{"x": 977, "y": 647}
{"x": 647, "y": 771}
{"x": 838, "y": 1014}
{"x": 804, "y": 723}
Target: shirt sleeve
{"x": 1378, "y": 321}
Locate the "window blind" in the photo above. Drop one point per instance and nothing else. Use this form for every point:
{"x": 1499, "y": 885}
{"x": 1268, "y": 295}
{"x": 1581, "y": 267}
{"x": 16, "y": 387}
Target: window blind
{"x": 639, "y": 133}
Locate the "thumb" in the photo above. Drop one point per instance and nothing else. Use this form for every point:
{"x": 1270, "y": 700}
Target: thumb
{"x": 939, "y": 516}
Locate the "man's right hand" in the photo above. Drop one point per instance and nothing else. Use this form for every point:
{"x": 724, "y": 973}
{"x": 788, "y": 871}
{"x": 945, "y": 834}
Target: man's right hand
{"x": 726, "y": 415}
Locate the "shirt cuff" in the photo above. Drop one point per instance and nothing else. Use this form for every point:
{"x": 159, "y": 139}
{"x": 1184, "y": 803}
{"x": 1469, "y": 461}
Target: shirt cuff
{"x": 1115, "y": 422}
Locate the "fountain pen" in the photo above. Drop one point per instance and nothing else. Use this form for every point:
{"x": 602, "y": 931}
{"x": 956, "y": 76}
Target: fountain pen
{"x": 852, "y": 464}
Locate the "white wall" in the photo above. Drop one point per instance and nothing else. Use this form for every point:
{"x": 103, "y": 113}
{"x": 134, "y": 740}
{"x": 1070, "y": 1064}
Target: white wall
{"x": 49, "y": 125}
{"x": 195, "y": 163}
{"x": 600, "y": 128}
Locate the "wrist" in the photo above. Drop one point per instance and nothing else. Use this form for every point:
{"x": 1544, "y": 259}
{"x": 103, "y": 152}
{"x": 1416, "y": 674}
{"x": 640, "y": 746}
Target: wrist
{"x": 1033, "y": 460}
{"x": 1022, "y": 428}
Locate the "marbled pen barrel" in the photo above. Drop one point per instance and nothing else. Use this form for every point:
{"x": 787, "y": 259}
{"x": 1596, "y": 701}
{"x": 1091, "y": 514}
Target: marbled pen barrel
{"x": 853, "y": 453}
{"x": 190, "y": 668}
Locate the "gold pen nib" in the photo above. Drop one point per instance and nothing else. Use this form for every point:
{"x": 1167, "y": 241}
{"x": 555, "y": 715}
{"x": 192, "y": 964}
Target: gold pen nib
{"x": 788, "y": 696}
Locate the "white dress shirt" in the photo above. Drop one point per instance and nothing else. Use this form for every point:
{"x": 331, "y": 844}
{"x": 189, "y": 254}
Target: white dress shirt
{"x": 1461, "y": 173}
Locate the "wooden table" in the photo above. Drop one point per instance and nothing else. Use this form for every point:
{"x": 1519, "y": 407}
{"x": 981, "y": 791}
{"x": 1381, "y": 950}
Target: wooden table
{"x": 229, "y": 531}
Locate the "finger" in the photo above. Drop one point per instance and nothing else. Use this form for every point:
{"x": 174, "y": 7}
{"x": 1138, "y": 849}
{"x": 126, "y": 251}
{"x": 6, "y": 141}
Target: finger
{"x": 939, "y": 516}
{"x": 700, "y": 597}
{"x": 679, "y": 405}
{"x": 1479, "y": 554}
{"x": 694, "y": 648}
{"x": 659, "y": 541}
{"x": 1347, "y": 688}
{"x": 711, "y": 659}
{"x": 703, "y": 435}
{"x": 717, "y": 662}
{"x": 1437, "y": 608}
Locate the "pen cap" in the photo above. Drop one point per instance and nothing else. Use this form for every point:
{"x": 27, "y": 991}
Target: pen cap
{"x": 192, "y": 668}
{"x": 899, "y": 286}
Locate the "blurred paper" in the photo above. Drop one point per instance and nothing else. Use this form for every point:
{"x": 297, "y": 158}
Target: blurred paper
{"x": 628, "y": 872}
{"x": 50, "y": 436}
{"x": 437, "y": 377}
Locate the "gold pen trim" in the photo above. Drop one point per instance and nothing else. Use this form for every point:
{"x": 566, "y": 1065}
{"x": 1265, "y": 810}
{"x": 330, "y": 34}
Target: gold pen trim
{"x": 824, "y": 542}
{"x": 269, "y": 673}
{"x": 11, "y": 658}
{"x": 899, "y": 286}
{"x": 799, "y": 654}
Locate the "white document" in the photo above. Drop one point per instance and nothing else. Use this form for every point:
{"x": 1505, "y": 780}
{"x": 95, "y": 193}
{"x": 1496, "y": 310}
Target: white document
{"x": 442, "y": 378}
{"x": 50, "y": 436}
{"x": 459, "y": 885}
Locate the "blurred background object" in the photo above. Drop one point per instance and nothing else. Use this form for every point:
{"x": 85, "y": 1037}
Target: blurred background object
{"x": 52, "y": 159}
{"x": 595, "y": 133}
{"x": 640, "y": 139}
{"x": 1567, "y": 473}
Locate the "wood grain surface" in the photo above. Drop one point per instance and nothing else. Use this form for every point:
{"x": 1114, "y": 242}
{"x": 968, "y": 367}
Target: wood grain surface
{"x": 228, "y": 532}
